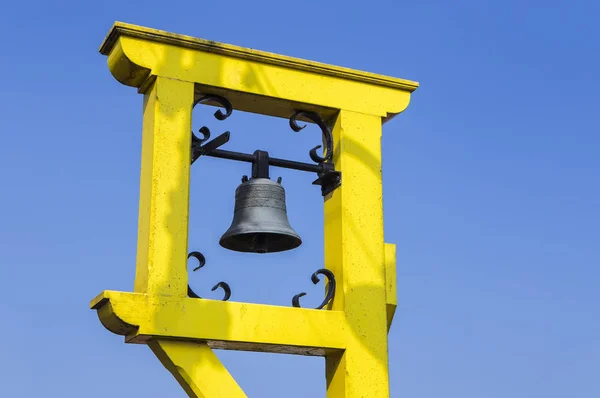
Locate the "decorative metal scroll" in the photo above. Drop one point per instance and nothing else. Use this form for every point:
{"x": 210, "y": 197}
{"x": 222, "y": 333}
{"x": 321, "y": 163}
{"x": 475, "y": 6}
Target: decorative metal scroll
{"x": 201, "y": 262}
{"x": 315, "y": 279}
{"x": 328, "y": 178}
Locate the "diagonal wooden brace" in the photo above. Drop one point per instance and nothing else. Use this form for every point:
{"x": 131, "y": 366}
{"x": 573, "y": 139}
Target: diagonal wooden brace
{"x": 197, "y": 369}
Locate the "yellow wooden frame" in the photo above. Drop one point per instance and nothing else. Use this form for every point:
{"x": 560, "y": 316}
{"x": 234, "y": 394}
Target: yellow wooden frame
{"x": 172, "y": 71}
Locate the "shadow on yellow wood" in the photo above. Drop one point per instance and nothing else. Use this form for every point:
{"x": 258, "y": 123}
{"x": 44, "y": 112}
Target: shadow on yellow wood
{"x": 223, "y": 324}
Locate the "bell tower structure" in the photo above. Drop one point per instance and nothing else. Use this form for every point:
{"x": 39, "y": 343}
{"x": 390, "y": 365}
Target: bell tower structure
{"x": 174, "y": 73}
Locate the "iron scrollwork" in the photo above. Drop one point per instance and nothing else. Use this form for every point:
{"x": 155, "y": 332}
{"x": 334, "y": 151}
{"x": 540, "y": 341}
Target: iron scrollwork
{"x": 327, "y": 137}
{"x": 224, "y": 102}
{"x": 328, "y": 178}
{"x": 201, "y": 262}
{"x": 315, "y": 279}
{"x": 198, "y": 149}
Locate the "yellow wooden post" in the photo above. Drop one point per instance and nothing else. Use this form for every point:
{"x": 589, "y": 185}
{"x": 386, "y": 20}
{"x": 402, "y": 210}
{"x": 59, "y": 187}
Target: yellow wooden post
{"x": 171, "y": 71}
{"x": 164, "y": 188}
{"x": 354, "y": 250}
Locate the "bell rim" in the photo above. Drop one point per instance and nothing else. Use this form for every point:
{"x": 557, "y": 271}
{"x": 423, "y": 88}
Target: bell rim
{"x": 226, "y": 242}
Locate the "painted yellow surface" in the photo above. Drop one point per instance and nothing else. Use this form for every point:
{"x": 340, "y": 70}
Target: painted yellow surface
{"x": 197, "y": 369}
{"x": 164, "y": 188}
{"x": 254, "y": 80}
{"x": 172, "y": 70}
{"x": 120, "y": 29}
{"x": 225, "y": 324}
{"x": 354, "y": 251}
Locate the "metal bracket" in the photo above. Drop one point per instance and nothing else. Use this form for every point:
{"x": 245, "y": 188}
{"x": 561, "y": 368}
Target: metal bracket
{"x": 328, "y": 178}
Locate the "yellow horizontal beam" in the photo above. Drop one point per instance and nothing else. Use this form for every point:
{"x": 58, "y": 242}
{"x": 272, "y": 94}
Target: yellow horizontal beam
{"x": 254, "y": 81}
{"x": 222, "y": 324}
{"x": 120, "y": 29}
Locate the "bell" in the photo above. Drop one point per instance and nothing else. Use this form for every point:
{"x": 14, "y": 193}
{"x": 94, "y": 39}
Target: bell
{"x": 260, "y": 223}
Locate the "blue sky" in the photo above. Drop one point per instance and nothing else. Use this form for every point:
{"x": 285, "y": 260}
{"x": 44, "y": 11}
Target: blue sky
{"x": 491, "y": 192}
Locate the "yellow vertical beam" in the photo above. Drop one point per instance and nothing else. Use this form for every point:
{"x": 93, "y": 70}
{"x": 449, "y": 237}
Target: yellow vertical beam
{"x": 197, "y": 369}
{"x": 164, "y": 188}
{"x": 354, "y": 250}
{"x": 163, "y": 231}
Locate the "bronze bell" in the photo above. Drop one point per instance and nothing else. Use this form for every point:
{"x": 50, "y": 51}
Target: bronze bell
{"x": 260, "y": 223}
